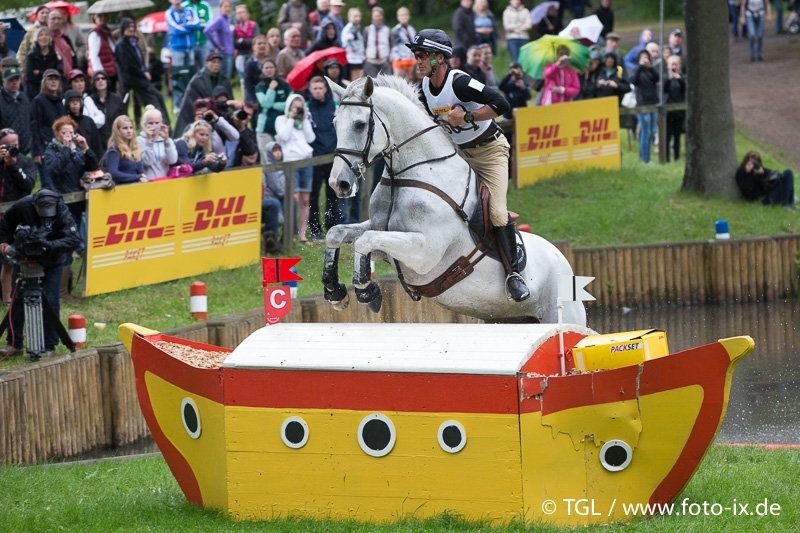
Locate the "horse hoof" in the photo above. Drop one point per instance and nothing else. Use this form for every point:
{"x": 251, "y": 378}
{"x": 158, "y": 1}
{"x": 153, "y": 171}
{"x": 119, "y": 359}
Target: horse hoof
{"x": 336, "y": 295}
{"x": 375, "y": 305}
{"x": 370, "y": 295}
{"x": 341, "y": 305}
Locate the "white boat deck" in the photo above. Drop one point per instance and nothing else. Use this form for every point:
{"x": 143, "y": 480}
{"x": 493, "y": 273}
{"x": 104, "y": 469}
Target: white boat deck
{"x": 497, "y": 349}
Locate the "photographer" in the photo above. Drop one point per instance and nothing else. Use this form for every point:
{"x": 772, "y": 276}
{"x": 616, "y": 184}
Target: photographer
{"x": 221, "y": 130}
{"x": 38, "y": 228}
{"x": 17, "y": 178}
{"x": 295, "y": 135}
{"x": 515, "y": 88}
{"x": 244, "y": 152}
{"x": 757, "y": 182}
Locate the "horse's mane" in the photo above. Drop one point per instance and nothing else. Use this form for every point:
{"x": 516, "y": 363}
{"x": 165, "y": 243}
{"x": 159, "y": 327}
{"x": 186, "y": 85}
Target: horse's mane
{"x": 407, "y": 89}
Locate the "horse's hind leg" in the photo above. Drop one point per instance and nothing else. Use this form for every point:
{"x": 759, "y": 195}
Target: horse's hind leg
{"x": 335, "y": 292}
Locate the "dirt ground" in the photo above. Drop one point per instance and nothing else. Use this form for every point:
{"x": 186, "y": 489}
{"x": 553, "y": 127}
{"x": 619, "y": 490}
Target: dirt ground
{"x": 765, "y": 94}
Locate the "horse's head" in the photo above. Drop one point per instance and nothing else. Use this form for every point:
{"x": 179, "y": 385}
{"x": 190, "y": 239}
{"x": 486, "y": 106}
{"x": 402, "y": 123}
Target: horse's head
{"x": 359, "y": 141}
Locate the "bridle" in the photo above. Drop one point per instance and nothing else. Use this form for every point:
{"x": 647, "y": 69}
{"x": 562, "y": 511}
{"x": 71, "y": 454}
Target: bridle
{"x": 360, "y": 166}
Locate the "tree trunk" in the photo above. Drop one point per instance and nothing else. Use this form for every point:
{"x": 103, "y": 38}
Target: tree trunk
{"x": 710, "y": 148}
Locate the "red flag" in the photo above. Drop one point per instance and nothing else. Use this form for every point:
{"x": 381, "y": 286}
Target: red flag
{"x": 278, "y": 270}
{"x": 277, "y": 303}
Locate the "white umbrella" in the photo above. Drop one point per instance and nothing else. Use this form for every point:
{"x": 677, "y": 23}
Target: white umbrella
{"x": 583, "y": 29}
{"x": 113, "y": 6}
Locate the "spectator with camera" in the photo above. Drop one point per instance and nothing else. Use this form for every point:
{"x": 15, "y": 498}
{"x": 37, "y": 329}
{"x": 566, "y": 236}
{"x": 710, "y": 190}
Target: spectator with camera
{"x": 244, "y": 152}
{"x": 515, "y": 88}
{"x": 756, "y": 182}
{"x": 295, "y": 135}
{"x": 194, "y": 149}
{"x": 38, "y": 228}
{"x": 86, "y": 126}
{"x": 221, "y": 130}
{"x": 17, "y": 179}
{"x": 159, "y": 152}
{"x": 67, "y": 157}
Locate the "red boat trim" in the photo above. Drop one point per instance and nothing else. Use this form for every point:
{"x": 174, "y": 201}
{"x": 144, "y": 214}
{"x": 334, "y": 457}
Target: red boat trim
{"x": 371, "y": 391}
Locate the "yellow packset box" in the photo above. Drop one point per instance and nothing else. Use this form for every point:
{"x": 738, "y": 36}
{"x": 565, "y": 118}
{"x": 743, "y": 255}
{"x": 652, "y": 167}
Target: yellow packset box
{"x": 615, "y": 350}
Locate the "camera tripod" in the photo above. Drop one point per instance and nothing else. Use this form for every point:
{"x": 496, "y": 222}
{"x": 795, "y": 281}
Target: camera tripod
{"x": 37, "y": 309}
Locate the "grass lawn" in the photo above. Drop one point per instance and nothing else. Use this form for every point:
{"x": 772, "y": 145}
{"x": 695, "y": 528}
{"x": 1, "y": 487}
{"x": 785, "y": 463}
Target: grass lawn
{"x": 141, "y": 495}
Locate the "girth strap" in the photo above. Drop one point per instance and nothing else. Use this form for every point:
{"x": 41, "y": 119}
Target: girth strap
{"x": 430, "y": 188}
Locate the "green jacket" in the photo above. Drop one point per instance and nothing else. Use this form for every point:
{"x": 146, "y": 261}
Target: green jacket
{"x": 204, "y": 14}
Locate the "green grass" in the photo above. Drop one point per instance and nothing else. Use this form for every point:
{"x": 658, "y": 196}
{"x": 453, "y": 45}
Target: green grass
{"x": 141, "y": 495}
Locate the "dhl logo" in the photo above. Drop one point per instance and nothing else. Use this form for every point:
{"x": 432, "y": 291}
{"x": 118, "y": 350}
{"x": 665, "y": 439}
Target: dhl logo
{"x": 543, "y": 137}
{"x": 593, "y": 131}
{"x": 225, "y": 212}
{"x": 135, "y": 226}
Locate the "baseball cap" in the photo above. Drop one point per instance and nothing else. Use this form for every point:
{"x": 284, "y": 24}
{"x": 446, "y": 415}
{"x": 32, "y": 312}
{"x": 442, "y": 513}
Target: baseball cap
{"x": 612, "y": 35}
{"x": 336, "y": 3}
{"x": 74, "y": 73}
{"x": 11, "y": 72}
{"x": 50, "y": 73}
{"x": 47, "y": 202}
{"x": 9, "y": 62}
{"x": 677, "y": 31}
{"x": 212, "y": 56}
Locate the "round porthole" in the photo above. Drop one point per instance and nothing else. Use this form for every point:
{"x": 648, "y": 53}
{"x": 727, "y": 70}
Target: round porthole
{"x": 376, "y": 435}
{"x": 615, "y": 455}
{"x": 452, "y": 436}
{"x": 190, "y": 416}
{"x": 294, "y": 432}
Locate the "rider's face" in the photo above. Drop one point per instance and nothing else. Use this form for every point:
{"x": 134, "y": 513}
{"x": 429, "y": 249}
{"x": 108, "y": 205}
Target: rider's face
{"x": 423, "y": 62}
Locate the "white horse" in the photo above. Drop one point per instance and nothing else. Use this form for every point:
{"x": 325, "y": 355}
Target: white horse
{"x": 417, "y": 214}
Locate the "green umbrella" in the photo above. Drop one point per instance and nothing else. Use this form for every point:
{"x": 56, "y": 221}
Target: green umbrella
{"x": 536, "y": 55}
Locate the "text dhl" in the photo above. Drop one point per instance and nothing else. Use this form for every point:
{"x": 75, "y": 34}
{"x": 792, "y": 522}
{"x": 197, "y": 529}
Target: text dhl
{"x": 544, "y": 137}
{"x": 145, "y": 224}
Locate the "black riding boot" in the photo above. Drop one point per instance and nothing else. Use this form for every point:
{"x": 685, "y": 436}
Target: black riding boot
{"x": 516, "y": 289}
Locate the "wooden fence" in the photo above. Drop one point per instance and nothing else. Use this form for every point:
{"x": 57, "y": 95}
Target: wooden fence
{"x": 68, "y": 405}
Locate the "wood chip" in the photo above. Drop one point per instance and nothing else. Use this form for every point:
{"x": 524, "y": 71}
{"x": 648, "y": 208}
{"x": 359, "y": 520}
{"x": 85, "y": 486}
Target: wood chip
{"x": 193, "y": 356}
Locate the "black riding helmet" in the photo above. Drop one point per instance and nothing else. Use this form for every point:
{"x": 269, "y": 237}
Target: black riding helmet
{"x": 433, "y": 42}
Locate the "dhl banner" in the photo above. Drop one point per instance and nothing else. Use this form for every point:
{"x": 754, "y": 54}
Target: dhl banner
{"x": 562, "y": 137}
{"x": 160, "y": 231}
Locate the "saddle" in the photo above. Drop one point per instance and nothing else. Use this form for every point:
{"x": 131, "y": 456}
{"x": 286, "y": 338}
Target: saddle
{"x": 481, "y": 231}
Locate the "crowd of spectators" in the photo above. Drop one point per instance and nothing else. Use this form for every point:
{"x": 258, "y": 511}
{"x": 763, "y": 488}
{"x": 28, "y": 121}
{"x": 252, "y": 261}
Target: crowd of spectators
{"x": 86, "y": 86}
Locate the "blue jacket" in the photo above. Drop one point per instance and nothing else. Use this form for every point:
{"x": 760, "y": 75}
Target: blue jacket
{"x": 181, "y": 26}
{"x": 322, "y": 114}
{"x": 122, "y": 169}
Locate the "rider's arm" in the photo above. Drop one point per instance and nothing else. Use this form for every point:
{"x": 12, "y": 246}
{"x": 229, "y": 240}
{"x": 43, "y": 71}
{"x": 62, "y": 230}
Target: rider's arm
{"x": 468, "y": 89}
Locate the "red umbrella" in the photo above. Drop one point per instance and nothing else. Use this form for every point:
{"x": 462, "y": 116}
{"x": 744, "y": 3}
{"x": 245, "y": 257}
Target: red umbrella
{"x": 153, "y": 23}
{"x": 312, "y": 64}
{"x": 72, "y": 9}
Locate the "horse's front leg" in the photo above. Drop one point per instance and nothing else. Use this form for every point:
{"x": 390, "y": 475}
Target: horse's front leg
{"x": 335, "y": 292}
{"x": 414, "y": 250}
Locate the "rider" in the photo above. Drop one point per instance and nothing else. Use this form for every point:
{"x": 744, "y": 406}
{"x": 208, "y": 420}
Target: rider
{"x": 466, "y": 108}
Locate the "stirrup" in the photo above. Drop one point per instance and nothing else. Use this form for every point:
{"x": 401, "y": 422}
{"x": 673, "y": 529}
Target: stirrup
{"x": 523, "y": 295}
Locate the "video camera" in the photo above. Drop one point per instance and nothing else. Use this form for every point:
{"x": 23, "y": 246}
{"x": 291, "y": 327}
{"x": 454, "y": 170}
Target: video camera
{"x": 29, "y": 244}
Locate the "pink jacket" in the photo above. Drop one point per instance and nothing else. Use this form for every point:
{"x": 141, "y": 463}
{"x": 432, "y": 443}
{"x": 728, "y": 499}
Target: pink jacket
{"x": 560, "y": 77}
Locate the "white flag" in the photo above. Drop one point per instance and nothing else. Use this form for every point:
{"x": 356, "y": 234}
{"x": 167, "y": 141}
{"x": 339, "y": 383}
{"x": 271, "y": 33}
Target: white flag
{"x": 571, "y": 288}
